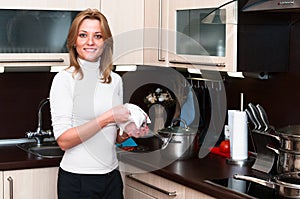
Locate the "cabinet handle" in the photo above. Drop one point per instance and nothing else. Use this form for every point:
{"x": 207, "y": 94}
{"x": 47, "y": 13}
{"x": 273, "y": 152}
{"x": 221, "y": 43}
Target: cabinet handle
{"x": 160, "y": 58}
{"x": 169, "y": 193}
{"x": 198, "y": 63}
{"x": 31, "y": 60}
{"x": 11, "y": 187}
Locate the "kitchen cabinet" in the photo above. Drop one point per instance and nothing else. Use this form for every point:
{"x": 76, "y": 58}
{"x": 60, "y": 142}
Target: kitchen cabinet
{"x": 33, "y": 183}
{"x": 137, "y": 31}
{"x": 143, "y": 184}
{"x": 155, "y": 34}
{"x": 1, "y": 184}
{"x": 126, "y": 21}
{"x": 149, "y": 32}
{"x": 51, "y": 4}
{"x": 196, "y": 39}
{"x": 193, "y": 194}
{"x": 34, "y": 33}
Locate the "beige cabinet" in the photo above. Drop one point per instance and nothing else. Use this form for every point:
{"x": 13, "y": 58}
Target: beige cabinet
{"x": 38, "y": 183}
{"x": 194, "y": 194}
{"x": 155, "y": 33}
{"x": 143, "y": 184}
{"x": 197, "y": 39}
{"x": 51, "y": 4}
{"x": 153, "y": 186}
{"x": 1, "y": 184}
{"x": 138, "y": 31}
{"x": 126, "y": 21}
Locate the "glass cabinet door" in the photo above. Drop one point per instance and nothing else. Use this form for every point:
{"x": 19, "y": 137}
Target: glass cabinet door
{"x": 203, "y": 34}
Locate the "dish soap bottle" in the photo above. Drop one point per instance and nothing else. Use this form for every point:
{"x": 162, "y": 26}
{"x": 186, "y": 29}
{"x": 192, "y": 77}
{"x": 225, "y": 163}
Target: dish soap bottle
{"x": 220, "y": 48}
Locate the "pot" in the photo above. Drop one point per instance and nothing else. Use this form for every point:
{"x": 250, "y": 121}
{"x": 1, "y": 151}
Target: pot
{"x": 289, "y": 137}
{"x": 286, "y": 185}
{"x": 179, "y": 142}
{"x": 287, "y": 161}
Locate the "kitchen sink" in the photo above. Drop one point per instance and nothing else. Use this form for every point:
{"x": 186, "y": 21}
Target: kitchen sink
{"x": 45, "y": 150}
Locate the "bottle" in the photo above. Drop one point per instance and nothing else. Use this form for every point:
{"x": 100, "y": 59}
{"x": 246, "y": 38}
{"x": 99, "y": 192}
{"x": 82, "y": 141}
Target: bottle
{"x": 225, "y": 144}
{"x": 220, "y": 48}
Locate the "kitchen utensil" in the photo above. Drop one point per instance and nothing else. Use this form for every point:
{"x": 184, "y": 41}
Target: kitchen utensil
{"x": 265, "y": 158}
{"x": 179, "y": 142}
{"x": 264, "y": 117}
{"x": 288, "y": 161}
{"x": 286, "y": 185}
{"x": 257, "y": 117}
{"x": 249, "y": 114}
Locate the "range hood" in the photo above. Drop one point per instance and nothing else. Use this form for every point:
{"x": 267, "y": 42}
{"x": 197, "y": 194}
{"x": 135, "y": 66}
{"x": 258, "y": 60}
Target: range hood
{"x": 272, "y": 5}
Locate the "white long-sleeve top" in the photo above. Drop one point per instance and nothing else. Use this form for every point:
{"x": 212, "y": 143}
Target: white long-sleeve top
{"x": 74, "y": 102}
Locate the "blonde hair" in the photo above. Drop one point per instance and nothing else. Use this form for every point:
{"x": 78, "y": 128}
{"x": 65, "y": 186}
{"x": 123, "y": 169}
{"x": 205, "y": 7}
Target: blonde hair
{"x": 106, "y": 57}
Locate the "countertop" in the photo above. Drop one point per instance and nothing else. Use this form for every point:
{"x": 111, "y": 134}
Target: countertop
{"x": 194, "y": 172}
{"x": 191, "y": 172}
{"x": 12, "y": 158}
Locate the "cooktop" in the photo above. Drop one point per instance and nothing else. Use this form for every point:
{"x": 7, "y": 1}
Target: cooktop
{"x": 249, "y": 189}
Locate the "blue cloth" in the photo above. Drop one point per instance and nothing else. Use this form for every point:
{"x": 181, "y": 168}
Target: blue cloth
{"x": 188, "y": 109}
{"x": 127, "y": 143}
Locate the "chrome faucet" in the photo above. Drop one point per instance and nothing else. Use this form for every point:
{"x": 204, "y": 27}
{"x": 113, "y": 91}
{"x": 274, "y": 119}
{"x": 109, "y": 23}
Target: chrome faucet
{"x": 40, "y": 134}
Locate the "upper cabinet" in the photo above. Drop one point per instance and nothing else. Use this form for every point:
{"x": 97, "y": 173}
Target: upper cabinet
{"x": 206, "y": 35}
{"x": 202, "y": 34}
{"x": 155, "y": 34}
{"x": 50, "y": 4}
{"x": 34, "y": 33}
{"x": 126, "y": 21}
{"x": 137, "y": 31}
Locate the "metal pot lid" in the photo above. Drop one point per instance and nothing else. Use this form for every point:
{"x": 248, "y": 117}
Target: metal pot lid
{"x": 290, "y": 130}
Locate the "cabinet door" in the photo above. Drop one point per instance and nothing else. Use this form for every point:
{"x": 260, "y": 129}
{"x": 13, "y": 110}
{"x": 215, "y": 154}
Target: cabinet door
{"x": 52, "y": 4}
{"x": 126, "y": 21}
{"x": 1, "y": 184}
{"x": 155, "y": 33}
{"x": 154, "y": 186}
{"x": 193, "y": 194}
{"x": 37, "y": 183}
{"x": 133, "y": 193}
{"x": 201, "y": 35}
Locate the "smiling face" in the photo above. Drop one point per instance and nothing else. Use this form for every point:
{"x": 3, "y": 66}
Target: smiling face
{"x": 89, "y": 42}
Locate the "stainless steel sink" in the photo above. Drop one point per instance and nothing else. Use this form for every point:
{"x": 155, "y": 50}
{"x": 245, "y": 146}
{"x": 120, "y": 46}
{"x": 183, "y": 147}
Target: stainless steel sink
{"x": 45, "y": 150}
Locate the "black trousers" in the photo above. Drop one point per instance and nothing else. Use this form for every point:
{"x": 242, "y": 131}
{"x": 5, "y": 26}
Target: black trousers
{"x": 89, "y": 186}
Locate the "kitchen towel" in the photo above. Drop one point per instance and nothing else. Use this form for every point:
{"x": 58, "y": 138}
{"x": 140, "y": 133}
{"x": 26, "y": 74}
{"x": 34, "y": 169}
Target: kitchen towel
{"x": 188, "y": 110}
{"x": 137, "y": 119}
{"x": 238, "y": 130}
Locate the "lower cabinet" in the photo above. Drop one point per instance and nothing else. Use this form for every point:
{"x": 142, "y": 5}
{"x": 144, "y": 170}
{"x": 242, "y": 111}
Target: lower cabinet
{"x": 38, "y": 183}
{"x": 146, "y": 185}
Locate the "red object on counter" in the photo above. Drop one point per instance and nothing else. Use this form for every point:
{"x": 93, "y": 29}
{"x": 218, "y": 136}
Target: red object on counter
{"x": 216, "y": 150}
{"x": 225, "y": 146}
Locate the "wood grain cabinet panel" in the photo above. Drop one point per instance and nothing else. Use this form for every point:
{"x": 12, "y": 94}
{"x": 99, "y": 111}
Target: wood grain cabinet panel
{"x": 39, "y": 183}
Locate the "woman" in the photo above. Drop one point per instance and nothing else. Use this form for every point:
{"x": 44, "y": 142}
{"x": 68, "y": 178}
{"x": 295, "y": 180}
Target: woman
{"x": 86, "y": 104}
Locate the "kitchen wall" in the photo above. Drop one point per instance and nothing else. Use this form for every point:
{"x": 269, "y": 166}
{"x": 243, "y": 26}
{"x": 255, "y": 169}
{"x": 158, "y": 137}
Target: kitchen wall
{"x": 279, "y": 96}
{"x": 19, "y": 100}
{"x": 22, "y": 92}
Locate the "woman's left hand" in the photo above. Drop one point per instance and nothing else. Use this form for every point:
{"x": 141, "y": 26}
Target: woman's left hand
{"x": 133, "y": 131}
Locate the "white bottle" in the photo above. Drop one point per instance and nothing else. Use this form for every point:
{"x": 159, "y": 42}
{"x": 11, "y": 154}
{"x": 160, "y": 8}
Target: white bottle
{"x": 220, "y": 48}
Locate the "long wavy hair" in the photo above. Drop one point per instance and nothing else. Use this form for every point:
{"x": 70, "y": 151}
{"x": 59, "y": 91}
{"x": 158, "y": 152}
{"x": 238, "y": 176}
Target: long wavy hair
{"x": 106, "y": 57}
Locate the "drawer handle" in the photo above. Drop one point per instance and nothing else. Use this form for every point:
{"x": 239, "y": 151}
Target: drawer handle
{"x": 169, "y": 193}
{"x": 31, "y": 60}
{"x": 198, "y": 63}
{"x": 11, "y": 187}
{"x": 160, "y": 57}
